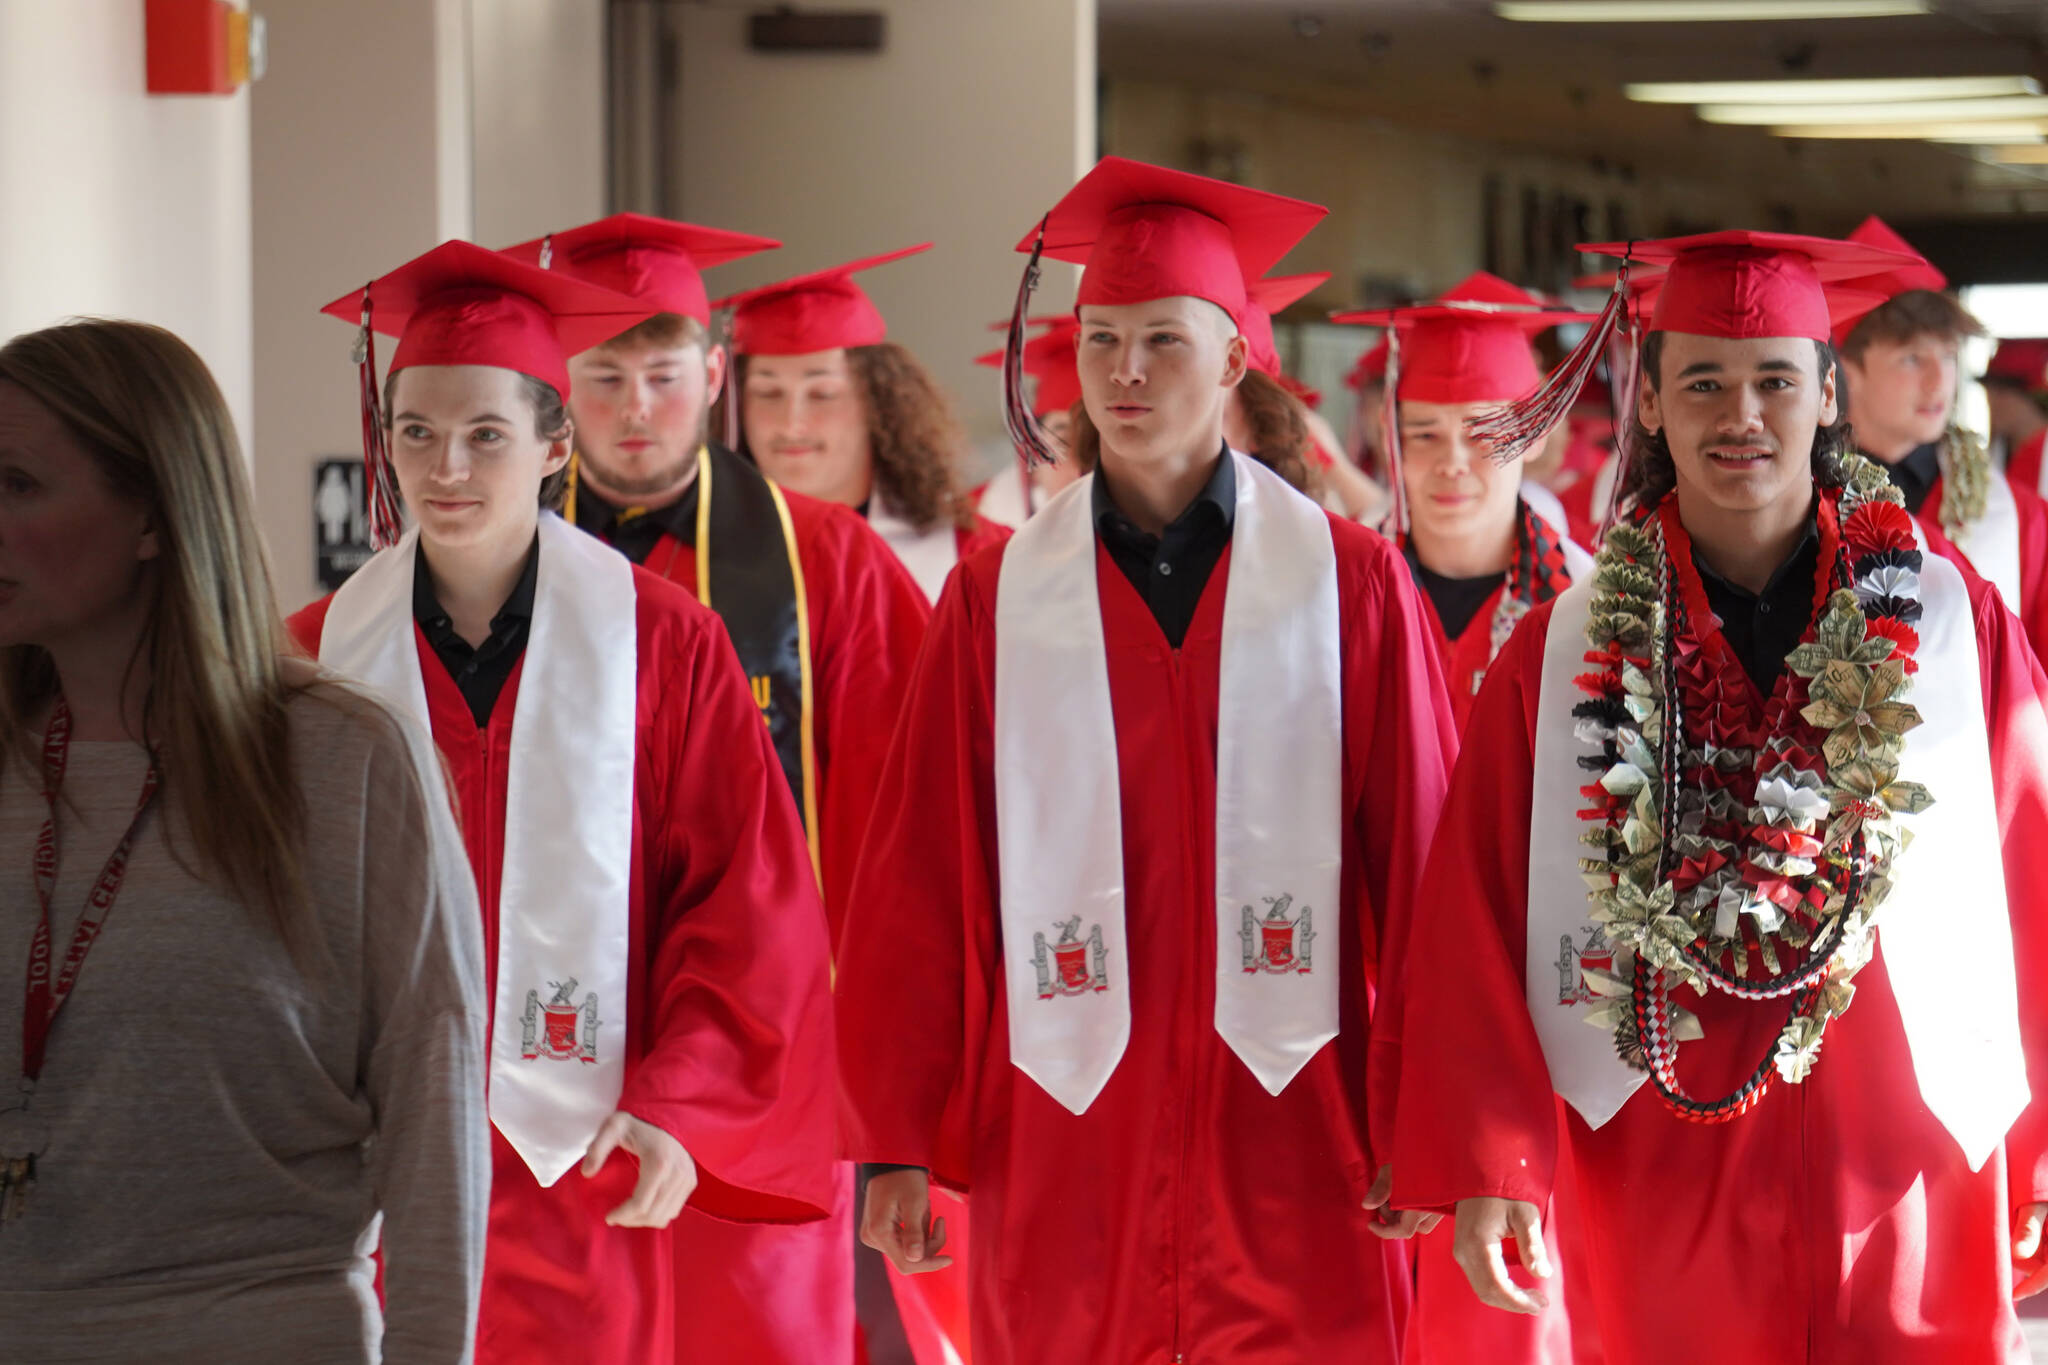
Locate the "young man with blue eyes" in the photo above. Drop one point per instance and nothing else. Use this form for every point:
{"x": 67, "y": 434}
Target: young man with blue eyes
{"x": 1110, "y": 961}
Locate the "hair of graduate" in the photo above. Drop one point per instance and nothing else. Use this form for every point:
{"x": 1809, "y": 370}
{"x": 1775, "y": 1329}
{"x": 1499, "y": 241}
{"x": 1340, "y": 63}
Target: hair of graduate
{"x": 1908, "y": 317}
{"x": 1280, "y": 435}
{"x": 1650, "y": 473}
{"x": 550, "y": 423}
{"x": 662, "y": 332}
{"x": 214, "y": 649}
{"x": 913, "y": 435}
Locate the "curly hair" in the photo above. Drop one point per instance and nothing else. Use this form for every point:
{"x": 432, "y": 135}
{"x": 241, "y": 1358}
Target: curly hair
{"x": 1649, "y": 473}
{"x": 1280, "y": 435}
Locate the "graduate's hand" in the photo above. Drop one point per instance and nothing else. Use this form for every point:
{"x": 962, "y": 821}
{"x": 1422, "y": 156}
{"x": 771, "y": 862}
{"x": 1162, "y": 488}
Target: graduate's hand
{"x": 668, "y": 1174}
{"x": 1392, "y": 1224}
{"x": 1483, "y": 1224}
{"x": 897, "y": 1221}
{"x": 2028, "y": 1280}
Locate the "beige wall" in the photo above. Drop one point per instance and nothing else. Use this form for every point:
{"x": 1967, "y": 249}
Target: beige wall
{"x": 978, "y": 115}
{"x": 384, "y": 128}
{"x": 537, "y": 86}
{"x": 114, "y": 202}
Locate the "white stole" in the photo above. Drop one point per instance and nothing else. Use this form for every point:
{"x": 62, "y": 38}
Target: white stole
{"x": 558, "y": 1030}
{"x": 1002, "y": 497}
{"x": 929, "y": 555}
{"x": 1944, "y": 928}
{"x": 1992, "y": 542}
{"x": 1279, "y": 781}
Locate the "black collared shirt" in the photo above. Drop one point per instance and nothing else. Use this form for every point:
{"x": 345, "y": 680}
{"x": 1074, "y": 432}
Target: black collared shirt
{"x": 633, "y": 532}
{"x": 1457, "y": 600}
{"x": 480, "y": 672}
{"x": 1762, "y": 628}
{"x": 1170, "y": 570}
{"x": 1916, "y": 475}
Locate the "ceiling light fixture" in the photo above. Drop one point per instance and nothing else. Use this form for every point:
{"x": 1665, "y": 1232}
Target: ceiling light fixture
{"x": 1701, "y": 11}
{"x": 1990, "y": 131}
{"x": 1905, "y": 111}
{"x": 1831, "y": 91}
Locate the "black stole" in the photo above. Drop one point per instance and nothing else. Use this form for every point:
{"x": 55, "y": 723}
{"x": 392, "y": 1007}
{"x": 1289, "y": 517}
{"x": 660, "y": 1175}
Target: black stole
{"x": 749, "y": 573}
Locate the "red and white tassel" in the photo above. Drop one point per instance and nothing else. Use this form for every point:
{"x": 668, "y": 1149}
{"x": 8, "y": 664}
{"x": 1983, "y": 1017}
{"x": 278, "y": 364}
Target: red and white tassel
{"x": 1035, "y": 445}
{"x": 1512, "y": 428}
{"x": 387, "y": 517}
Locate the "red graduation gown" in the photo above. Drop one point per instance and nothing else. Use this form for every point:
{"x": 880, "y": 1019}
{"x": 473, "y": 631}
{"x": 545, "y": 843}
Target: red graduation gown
{"x": 1449, "y": 1325}
{"x": 1188, "y": 1215}
{"x": 1837, "y": 1221}
{"x": 2032, "y": 608}
{"x": 728, "y": 1032}
{"x": 785, "y": 1295}
{"x": 2023, "y": 468}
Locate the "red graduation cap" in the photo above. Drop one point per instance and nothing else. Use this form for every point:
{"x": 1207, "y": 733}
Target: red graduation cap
{"x": 1470, "y": 346}
{"x": 1263, "y": 298}
{"x": 1048, "y": 358}
{"x": 654, "y": 260}
{"x": 1371, "y": 367}
{"x": 821, "y": 311}
{"x": 462, "y": 305}
{"x": 1144, "y": 232}
{"x": 1742, "y": 284}
{"x": 2024, "y": 360}
{"x": 1884, "y": 286}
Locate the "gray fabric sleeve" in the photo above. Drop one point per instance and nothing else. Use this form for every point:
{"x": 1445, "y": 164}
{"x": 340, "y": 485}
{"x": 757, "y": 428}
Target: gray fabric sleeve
{"x": 424, "y": 1007}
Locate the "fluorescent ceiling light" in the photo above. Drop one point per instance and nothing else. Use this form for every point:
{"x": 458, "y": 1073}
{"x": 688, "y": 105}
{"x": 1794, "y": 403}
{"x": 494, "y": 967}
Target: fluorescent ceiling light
{"x": 1700, "y": 11}
{"x": 1994, "y": 139}
{"x": 1906, "y": 111}
{"x": 2022, "y": 156}
{"x": 1955, "y": 130}
{"x": 1831, "y": 91}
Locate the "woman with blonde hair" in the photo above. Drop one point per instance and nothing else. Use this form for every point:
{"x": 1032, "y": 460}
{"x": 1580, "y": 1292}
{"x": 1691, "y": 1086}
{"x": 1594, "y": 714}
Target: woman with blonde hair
{"x": 236, "y": 907}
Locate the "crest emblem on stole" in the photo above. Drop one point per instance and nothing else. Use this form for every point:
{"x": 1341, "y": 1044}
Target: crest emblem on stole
{"x": 1072, "y": 966}
{"x": 1276, "y": 943}
{"x": 1573, "y": 961}
{"x": 548, "y": 1028}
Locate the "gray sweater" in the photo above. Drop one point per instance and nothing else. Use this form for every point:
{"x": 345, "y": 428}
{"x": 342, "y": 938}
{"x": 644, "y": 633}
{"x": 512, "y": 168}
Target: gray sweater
{"x": 225, "y": 1132}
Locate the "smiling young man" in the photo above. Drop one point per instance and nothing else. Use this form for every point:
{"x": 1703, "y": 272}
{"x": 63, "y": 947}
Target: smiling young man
{"x": 832, "y": 408}
{"x": 652, "y": 933}
{"x": 1702, "y": 768}
{"x": 827, "y": 625}
{"x": 1900, "y": 360}
{"x": 1109, "y": 966}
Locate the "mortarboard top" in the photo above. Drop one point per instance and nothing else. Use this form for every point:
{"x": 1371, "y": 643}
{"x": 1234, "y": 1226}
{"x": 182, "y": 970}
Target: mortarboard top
{"x": 654, "y": 260}
{"x": 822, "y": 311}
{"x": 1472, "y": 345}
{"x": 1743, "y": 284}
{"x": 1144, "y": 232}
{"x": 460, "y": 304}
{"x": 2024, "y": 360}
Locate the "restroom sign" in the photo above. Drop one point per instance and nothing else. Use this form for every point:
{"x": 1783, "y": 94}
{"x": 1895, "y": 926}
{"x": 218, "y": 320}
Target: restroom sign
{"x": 341, "y": 520}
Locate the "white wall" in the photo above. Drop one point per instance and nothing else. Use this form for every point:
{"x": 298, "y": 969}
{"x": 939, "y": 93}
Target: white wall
{"x": 115, "y": 202}
{"x": 974, "y": 120}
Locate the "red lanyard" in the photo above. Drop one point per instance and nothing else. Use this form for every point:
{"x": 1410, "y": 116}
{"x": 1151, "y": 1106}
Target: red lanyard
{"x": 46, "y": 997}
